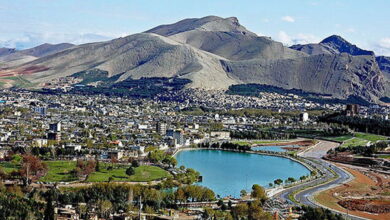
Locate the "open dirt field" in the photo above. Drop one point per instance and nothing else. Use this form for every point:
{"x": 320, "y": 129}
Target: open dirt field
{"x": 369, "y": 191}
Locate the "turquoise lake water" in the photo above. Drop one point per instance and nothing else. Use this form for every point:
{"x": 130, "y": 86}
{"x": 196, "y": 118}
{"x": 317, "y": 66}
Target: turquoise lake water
{"x": 227, "y": 173}
{"x": 272, "y": 148}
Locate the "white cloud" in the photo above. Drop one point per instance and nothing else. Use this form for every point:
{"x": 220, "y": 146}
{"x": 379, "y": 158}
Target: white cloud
{"x": 284, "y": 38}
{"x": 28, "y": 40}
{"x": 381, "y": 47}
{"x": 385, "y": 42}
{"x": 300, "y": 38}
{"x": 288, "y": 19}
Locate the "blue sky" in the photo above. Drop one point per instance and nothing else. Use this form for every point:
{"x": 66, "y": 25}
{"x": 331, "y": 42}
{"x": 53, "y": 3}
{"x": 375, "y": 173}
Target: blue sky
{"x": 27, "y": 23}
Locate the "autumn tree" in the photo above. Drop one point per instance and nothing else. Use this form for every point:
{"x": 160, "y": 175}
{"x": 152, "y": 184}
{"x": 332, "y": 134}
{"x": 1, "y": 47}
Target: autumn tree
{"x": 32, "y": 168}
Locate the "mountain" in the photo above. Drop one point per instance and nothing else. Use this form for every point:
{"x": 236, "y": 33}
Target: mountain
{"x": 45, "y": 49}
{"x": 214, "y": 53}
{"x": 332, "y": 45}
{"x": 340, "y": 76}
{"x": 12, "y": 57}
{"x": 384, "y": 65}
{"x": 134, "y": 56}
{"x": 226, "y": 38}
{"x": 6, "y": 51}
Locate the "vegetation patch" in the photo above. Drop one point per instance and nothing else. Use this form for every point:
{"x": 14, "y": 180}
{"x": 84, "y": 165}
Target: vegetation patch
{"x": 8, "y": 167}
{"x": 59, "y": 171}
{"x": 142, "y": 174}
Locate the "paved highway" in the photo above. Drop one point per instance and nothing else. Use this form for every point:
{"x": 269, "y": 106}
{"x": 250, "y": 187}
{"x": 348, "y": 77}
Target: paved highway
{"x": 313, "y": 157}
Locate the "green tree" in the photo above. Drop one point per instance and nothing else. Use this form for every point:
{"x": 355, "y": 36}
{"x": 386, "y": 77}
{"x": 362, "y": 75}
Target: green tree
{"x": 49, "y": 209}
{"x": 258, "y": 192}
{"x": 130, "y": 171}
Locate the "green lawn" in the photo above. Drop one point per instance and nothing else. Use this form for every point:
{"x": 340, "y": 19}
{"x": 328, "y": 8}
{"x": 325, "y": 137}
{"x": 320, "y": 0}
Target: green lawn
{"x": 354, "y": 142}
{"x": 360, "y": 139}
{"x": 142, "y": 174}
{"x": 384, "y": 156}
{"x": 339, "y": 138}
{"x": 59, "y": 171}
{"x": 371, "y": 137}
{"x": 8, "y": 167}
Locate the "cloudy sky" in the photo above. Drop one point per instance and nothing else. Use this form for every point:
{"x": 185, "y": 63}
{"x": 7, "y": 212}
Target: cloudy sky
{"x": 27, "y": 23}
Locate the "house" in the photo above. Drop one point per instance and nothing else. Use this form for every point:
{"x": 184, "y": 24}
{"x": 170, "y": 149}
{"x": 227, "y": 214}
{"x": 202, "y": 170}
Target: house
{"x": 221, "y": 135}
{"x": 115, "y": 154}
{"x": 67, "y": 213}
{"x": 39, "y": 142}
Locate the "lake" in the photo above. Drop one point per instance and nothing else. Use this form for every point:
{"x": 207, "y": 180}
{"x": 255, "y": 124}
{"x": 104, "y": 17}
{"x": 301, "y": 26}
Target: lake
{"x": 273, "y": 148}
{"x": 227, "y": 173}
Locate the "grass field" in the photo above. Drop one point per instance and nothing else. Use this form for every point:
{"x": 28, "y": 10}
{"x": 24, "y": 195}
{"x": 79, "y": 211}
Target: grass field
{"x": 354, "y": 142}
{"x": 384, "y": 156}
{"x": 8, "y": 167}
{"x": 360, "y": 139}
{"x": 59, "y": 171}
{"x": 370, "y": 137}
{"x": 339, "y": 138}
{"x": 142, "y": 174}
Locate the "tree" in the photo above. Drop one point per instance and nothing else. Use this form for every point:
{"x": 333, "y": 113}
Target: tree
{"x": 240, "y": 211}
{"x": 130, "y": 171}
{"x": 3, "y": 174}
{"x": 114, "y": 160}
{"x": 97, "y": 166}
{"x": 49, "y": 209}
{"x": 256, "y": 211}
{"x": 278, "y": 181}
{"x": 243, "y": 193}
{"x": 32, "y": 167}
{"x": 134, "y": 163}
{"x": 104, "y": 208}
{"x": 258, "y": 192}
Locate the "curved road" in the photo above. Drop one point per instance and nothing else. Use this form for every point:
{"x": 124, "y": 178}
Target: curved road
{"x": 313, "y": 157}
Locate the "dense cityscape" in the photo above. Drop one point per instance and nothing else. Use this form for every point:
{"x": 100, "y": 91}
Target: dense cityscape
{"x": 53, "y": 143}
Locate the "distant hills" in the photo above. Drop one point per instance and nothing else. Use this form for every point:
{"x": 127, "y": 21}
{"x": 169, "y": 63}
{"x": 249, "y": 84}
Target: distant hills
{"x": 332, "y": 45}
{"x": 212, "y": 53}
{"x": 11, "y": 57}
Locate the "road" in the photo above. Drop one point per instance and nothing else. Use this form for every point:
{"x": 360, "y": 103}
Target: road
{"x": 313, "y": 157}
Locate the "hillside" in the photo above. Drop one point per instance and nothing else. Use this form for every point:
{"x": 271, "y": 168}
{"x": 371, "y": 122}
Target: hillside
{"x": 215, "y": 53}
{"x": 10, "y": 57}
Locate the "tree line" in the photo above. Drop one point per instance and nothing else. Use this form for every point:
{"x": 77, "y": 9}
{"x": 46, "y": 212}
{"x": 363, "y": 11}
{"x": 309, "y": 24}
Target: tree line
{"x": 261, "y": 134}
{"x": 374, "y": 125}
{"x": 225, "y": 146}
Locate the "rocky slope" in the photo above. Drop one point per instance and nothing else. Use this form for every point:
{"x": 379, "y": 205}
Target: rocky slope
{"x": 136, "y": 56}
{"x": 215, "y": 53}
{"x": 226, "y": 38}
{"x": 332, "y": 45}
{"x": 10, "y": 57}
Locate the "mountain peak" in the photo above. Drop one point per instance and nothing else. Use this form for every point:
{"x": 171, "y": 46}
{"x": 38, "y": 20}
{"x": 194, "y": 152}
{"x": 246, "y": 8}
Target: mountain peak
{"x": 208, "y": 23}
{"x": 340, "y": 45}
{"x": 334, "y": 39}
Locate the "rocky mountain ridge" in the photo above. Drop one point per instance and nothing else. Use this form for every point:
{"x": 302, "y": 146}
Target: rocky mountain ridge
{"x": 215, "y": 53}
